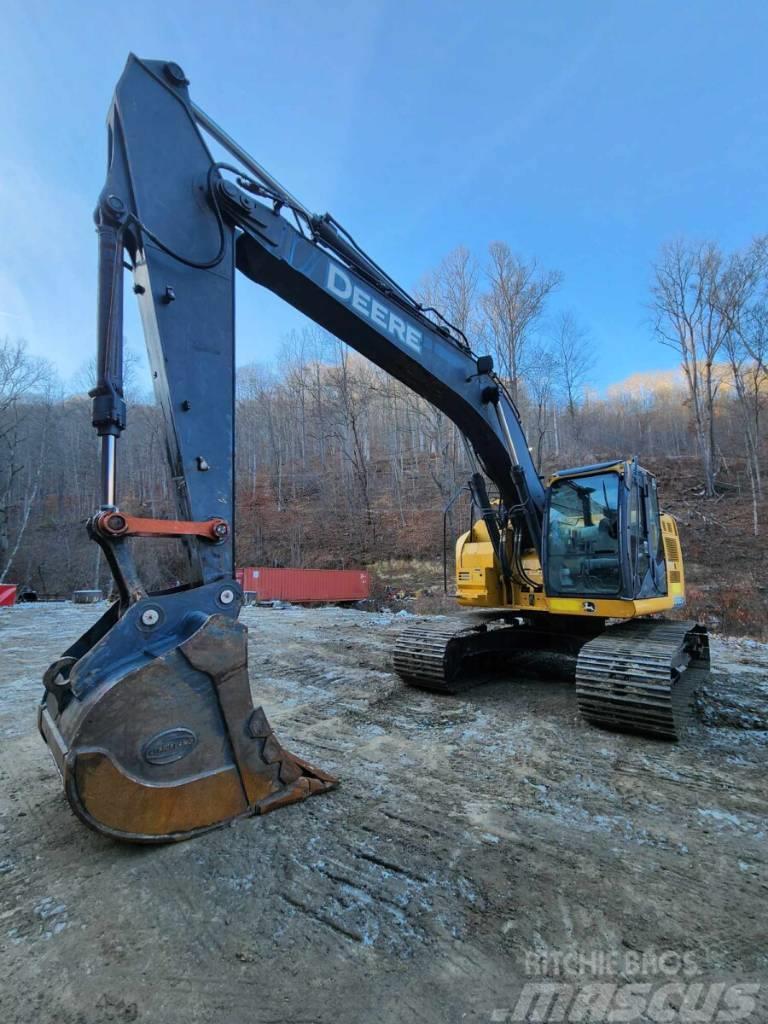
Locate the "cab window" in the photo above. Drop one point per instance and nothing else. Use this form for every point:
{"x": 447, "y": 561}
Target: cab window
{"x": 583, "y": 536}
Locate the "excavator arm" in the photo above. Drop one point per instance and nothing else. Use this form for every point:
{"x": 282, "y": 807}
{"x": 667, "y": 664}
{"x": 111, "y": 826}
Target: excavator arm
{"x": 149, "y": 714}
{"x": 186, "y": 226}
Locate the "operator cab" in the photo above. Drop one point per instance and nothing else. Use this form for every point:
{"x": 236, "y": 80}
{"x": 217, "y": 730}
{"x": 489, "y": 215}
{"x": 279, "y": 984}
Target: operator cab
{"x": 603, "y": 533}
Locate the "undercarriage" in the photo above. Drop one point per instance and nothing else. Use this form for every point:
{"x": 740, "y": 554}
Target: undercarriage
{"x": 635, "y": 676}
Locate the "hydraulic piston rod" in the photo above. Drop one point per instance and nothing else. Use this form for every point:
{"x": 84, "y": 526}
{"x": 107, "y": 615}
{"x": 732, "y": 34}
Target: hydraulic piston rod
{"x": 108, "y": 471}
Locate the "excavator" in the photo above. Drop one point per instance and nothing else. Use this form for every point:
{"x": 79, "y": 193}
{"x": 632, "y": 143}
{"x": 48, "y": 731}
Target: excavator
{"x": 149, "y": 715}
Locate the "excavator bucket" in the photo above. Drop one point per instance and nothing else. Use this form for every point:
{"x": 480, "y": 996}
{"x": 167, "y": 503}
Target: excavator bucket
{"x": 150, "y": 720}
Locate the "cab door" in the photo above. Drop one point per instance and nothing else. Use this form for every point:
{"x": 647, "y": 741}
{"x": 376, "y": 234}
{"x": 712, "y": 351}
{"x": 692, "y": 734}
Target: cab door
{"x": 645, "y": 564}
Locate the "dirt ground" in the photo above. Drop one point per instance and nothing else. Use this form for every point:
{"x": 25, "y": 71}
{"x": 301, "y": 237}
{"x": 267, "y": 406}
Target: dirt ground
{"x": 473, "y": 838}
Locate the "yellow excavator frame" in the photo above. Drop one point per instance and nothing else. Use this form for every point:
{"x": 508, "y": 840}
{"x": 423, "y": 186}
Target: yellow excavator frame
{"x": 480, "y": 583}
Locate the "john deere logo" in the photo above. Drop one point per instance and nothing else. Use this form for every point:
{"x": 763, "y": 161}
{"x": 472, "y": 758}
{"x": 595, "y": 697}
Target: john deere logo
{"x": 169, "y": 746}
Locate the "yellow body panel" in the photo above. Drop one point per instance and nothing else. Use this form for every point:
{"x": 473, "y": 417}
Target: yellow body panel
{"x": 479, "y": 583}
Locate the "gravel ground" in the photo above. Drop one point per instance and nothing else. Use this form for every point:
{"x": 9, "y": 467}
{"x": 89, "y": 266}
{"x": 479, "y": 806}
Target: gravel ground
{"x": 475, "y": 840}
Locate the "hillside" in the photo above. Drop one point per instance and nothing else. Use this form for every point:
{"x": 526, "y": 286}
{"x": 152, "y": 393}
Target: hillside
{"x": 726, "y": 565}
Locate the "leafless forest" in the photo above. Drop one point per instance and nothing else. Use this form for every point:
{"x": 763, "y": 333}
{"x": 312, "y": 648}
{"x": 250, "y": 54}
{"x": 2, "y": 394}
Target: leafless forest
{"x": 337, "y": 464}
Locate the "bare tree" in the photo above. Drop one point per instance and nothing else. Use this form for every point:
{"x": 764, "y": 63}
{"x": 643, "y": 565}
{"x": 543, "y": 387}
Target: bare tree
{"x": 24, "y": 407}
{"x": 452, "y": 289}
{"x": 688, "y": 319}
{"x": 513, "y": 307}
{"x": 575, "y": 361}
{"x": 541, "y": 385}
{"x": 350, "y": 381}
{"x": 743, "y": 303}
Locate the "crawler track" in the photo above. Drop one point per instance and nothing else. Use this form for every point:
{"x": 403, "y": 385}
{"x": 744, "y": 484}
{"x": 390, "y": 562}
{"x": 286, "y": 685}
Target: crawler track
{"x": 429, "y": 657}
{"x": 450, "y": 657}
{"x": 633, "y": 677}
{"x": 637, "y": 676}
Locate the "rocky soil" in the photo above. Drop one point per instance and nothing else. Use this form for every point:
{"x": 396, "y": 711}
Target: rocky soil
{"x": 471, "y": 835}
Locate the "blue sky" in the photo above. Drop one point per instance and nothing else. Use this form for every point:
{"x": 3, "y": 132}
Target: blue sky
{"x": 582, "y": 133}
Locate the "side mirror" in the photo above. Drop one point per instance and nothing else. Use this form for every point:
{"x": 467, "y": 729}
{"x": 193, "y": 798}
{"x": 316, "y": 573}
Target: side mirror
{"x": 484, "y": 364}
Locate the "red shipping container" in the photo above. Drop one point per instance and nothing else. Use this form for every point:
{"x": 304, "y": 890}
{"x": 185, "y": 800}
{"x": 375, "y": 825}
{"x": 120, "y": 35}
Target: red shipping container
{"x": 305, "y": 586}
{"x": 7, "y": 594}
